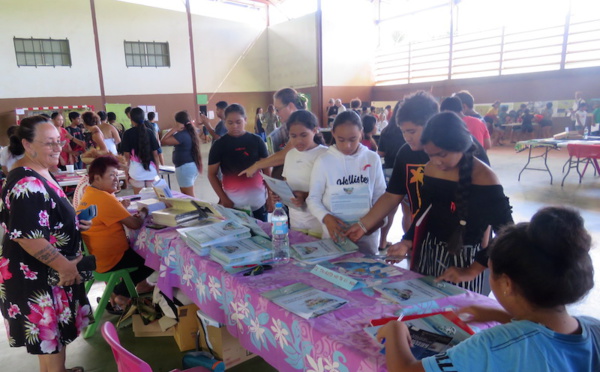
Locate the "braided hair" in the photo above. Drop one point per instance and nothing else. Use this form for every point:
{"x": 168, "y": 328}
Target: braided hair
{"x": 183, "y": 117}
{"x": 143, "y": 148}
{"x": 447, "y": 131}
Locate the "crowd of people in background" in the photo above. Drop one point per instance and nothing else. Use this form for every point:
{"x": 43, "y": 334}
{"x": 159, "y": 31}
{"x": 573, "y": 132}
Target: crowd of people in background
{"x": 429, "y": 157}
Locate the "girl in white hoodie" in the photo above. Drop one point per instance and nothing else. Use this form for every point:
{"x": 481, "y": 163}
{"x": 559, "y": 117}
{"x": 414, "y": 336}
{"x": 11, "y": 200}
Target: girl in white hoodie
{"x": 345, "y": 182}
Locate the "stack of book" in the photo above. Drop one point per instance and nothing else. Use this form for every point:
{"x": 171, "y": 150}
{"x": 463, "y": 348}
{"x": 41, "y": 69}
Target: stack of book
{"x": 200, "y": 238}
{"x": 410, "y": 292}
{"x": 322, "y": 250}
{"x": 356, "y": 272}
{"x": 304, "y": 300}
{"x": 242, "y": 252}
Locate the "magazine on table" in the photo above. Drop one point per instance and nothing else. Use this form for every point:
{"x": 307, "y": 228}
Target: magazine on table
{"x": 243, "y": 219}
{"x": 304, "y": 300}
{"x": 431, "y": 334}
{"x": 322, "y": 250}
{"x": 413, "y": 291}
{"x": 242, "y": 252}
{"x": 356, "y": 272}
{"x": 199, "y": 238}
{"x": 282, "y": 189}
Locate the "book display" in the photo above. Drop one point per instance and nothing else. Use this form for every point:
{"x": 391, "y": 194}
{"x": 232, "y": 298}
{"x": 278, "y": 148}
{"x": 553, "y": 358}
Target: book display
{"x": 200, "y": 238}
{"x": 410, "y": 292}
{"x": 243, "y": 252}
{"x": 322, "y": 250}
{"x": 356, "y": 272}
{"x": 304, "y": 300}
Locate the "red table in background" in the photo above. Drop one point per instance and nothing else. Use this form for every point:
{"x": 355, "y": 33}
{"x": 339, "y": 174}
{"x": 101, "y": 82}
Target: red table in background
{"x": 579, "y": 153}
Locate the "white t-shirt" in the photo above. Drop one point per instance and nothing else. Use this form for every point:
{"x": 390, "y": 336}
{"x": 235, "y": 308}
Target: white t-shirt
{"x": 296, "y": 169}
{"x": 7, "y": 159}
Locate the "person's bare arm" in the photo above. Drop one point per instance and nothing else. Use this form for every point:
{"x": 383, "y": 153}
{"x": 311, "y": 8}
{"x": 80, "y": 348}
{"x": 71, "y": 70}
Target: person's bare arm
{"x": 115, "y": 134}
{"x": 398, "y": 356}
{"x": 215, "y": 182}
{"x": 46, "y": 253}
{"x": 204, "y": 121}
{"x": 156, "y": 159}
{"x": 487, "y": 143}
{"x": 98, "y": 139}
{"x": 169, "y": 139}
{"x": 274, "y": 160}
{"x": 135, "y": 221}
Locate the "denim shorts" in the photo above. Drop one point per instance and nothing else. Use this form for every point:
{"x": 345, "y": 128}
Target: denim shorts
{"x": 186, "y": 174}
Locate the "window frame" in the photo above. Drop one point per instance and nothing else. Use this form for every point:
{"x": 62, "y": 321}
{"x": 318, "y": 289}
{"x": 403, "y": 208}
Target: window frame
{"x": 38, "y": 55}
{"x": 137, "y": 54}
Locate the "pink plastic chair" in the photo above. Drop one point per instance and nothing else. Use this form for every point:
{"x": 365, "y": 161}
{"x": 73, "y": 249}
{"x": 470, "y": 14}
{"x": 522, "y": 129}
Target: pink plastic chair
{"x": 126, "y": 361}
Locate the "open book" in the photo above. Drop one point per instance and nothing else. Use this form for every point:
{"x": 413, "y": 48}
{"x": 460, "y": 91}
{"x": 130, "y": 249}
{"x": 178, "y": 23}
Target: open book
{"x": 321, "y": 250}
{"x": 304, "y": 300}
{"x": 282, "y": 189}
{"x": 410, "y": 292}
{"x": 182, "y": 210}
{"x": 243, "y": 219}
{"x": 199, "y": 238}
{"x": 431, "y": 334}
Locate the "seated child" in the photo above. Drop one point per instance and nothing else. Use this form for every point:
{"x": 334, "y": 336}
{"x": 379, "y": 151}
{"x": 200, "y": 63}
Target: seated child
{"x": 308, "y": 146}
{"x": 345, "y": 182}
{"x": 537, "y": 268}
{"x": 232, "y": 153}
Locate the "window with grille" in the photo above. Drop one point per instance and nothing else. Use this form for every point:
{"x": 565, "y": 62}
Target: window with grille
{"x": 147, "y": 54}
{"x": 42, "y": 52}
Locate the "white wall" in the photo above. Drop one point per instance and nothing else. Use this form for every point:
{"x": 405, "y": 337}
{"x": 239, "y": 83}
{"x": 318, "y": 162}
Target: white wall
{"x": 117, "y": 22}
{"x": 230, "y": 56}
{"x": 293, "y": 53}
{"x": 57, "y": 19}
{"x": 349, "y": 43}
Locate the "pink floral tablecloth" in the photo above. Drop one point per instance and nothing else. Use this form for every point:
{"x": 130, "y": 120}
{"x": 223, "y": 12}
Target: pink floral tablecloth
{"x": 334, "y": 342}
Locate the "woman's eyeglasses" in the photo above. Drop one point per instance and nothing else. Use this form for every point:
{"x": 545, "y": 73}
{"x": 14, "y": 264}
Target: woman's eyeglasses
{"x": 54, "y": 145}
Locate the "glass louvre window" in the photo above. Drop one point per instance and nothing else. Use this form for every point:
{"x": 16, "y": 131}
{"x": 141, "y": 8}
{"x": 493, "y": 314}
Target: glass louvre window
{"x": 42, "y": 52}
{"x": 147, "y": 54}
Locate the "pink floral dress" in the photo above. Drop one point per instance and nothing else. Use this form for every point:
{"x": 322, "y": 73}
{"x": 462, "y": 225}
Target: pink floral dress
{"x": 38, "y": 316}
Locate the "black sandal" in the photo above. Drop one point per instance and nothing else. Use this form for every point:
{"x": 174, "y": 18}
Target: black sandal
{"x": 114, "y": 310}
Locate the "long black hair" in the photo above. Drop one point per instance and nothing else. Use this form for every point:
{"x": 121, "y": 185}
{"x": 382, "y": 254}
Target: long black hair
{"x": 143, "y": 150}
{"x": 309, "y": 120}
{"x": 447, "y": 131}
{"x": 183, "y": 117}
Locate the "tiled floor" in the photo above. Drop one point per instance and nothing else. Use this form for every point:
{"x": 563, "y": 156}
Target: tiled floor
{"x": 527, "y": 196}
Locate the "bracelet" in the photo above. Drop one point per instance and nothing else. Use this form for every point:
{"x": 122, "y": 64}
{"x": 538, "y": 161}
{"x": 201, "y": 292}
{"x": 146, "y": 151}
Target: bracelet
{"x": 362, "y": 226}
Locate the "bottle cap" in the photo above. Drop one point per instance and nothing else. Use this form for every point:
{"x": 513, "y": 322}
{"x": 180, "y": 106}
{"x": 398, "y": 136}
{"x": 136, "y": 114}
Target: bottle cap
{"x": 278, "y": 205}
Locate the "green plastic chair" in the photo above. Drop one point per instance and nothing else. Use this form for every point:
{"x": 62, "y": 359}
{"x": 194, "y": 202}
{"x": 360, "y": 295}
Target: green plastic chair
{"x": 112, "y": 278}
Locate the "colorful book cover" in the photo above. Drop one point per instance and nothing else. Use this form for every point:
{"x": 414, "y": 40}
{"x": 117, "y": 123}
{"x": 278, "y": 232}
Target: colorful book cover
{"x": 201, "y": 237}
{"x": 356, "y": 272}
{"x": 321, "y": 250}
{"x": 410, "y": 292}
{"x": 255, "y": 248}
{"x": 304, "y": 300}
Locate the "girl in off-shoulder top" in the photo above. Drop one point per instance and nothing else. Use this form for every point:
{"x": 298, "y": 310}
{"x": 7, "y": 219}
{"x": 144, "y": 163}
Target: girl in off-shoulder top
{"x": 465, "y": 198}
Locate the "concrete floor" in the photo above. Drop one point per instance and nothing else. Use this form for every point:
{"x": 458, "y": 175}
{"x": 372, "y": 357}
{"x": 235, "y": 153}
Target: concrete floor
{"x": 527, "y": 196}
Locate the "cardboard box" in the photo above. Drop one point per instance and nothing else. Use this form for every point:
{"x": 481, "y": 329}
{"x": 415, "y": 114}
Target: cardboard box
{"x": 151, "y": 330}
{"x": 224, "y": 345}
{"x": 186, "y": 329}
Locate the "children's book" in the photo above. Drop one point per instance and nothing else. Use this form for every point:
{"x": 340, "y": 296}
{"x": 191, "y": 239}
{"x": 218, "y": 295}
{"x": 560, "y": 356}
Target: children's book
{"x": 356, "y": 272}
{"x": 199, "y": 238}
{"x": 241, "y": 252}
{"x": 242, "y": 218}
{"x": 431, "y": 334}
{"x": 322, "y": 250}
{"x": 304, "y": 300}
{"x": 410, "y": 292}
{"x": 282, "y": 189}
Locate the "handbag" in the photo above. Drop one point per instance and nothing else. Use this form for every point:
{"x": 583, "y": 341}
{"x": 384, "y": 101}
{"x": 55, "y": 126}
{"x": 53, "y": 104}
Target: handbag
{"x": 86, "y": 268}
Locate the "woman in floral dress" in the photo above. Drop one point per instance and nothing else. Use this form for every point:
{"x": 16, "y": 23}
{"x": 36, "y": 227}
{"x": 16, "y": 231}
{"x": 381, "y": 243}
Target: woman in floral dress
{"x": 41, "y": 230}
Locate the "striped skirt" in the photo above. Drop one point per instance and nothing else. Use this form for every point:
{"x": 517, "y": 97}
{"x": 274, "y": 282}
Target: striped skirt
{"x": 434, "y": 253}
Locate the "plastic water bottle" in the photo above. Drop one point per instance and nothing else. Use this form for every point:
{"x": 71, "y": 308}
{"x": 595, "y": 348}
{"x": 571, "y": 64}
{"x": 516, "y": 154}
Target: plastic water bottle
{"x": 279, "y": 230}
{"x": 585, "y": 133}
